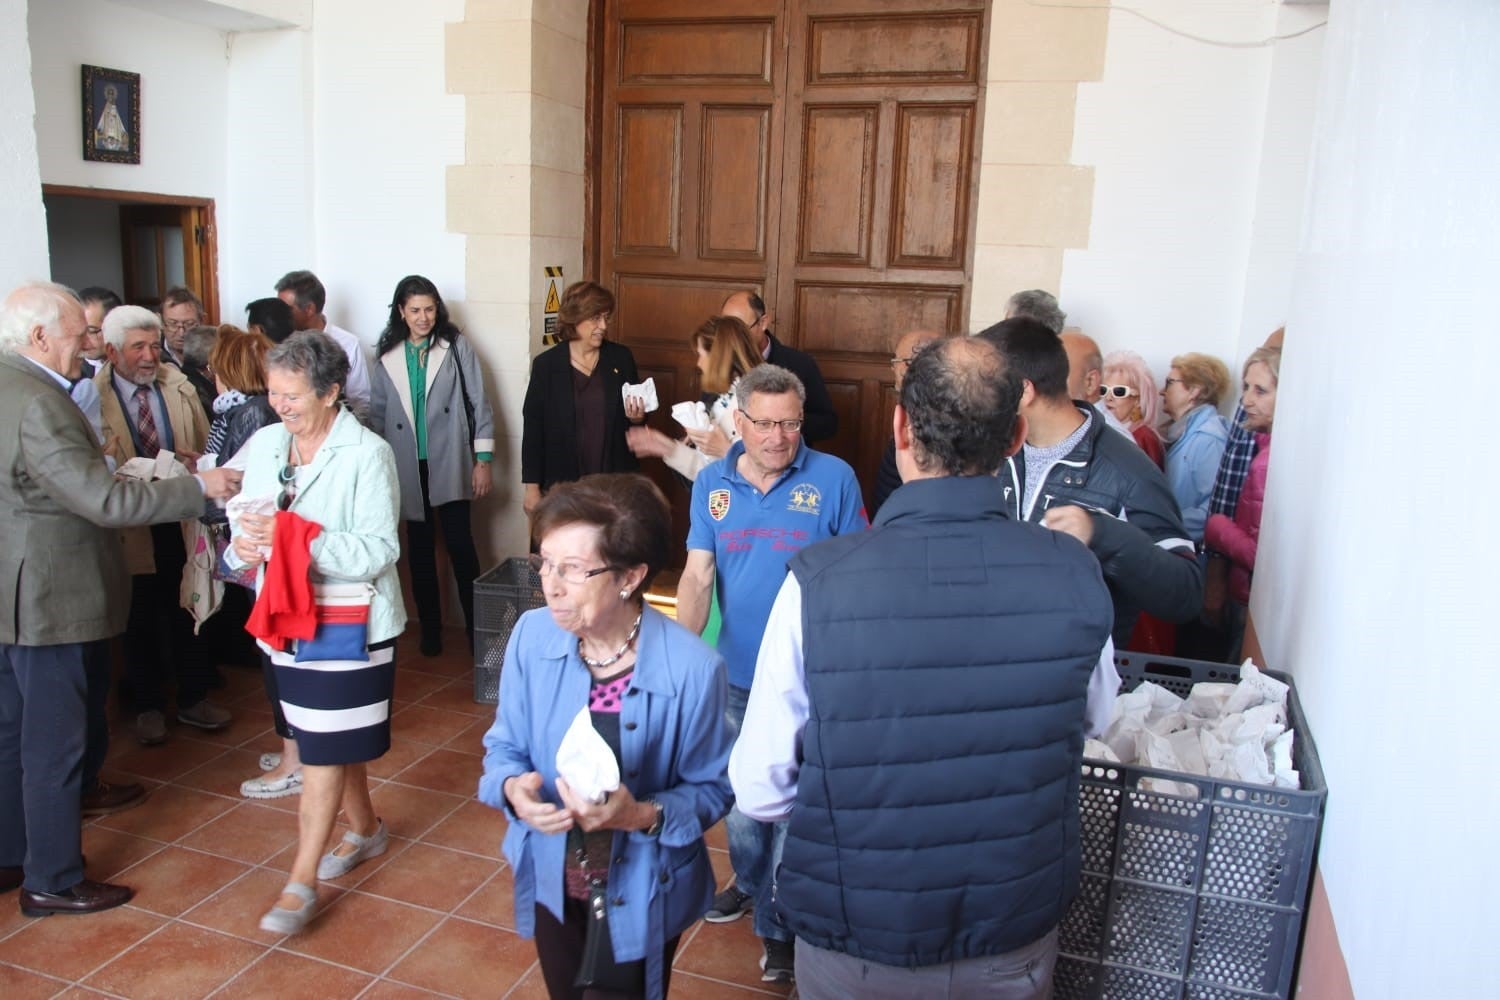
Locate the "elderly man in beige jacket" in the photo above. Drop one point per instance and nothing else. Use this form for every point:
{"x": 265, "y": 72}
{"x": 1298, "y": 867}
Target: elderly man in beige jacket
{"x": 150, "y": 407}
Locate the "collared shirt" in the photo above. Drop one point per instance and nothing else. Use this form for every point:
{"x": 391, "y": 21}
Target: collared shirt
{"x": 764, "y": 768}
{"x": 358, "y": 389}
{"x": 125, "y": 389}
{"x": 752, "y": 535}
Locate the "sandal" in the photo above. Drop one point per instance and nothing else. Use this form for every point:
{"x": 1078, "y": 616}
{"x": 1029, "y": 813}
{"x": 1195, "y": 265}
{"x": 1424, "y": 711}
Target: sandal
{"x": 280, "y": 920}
{"x": 334, "y": 864}
{"x": 266, "y": 787}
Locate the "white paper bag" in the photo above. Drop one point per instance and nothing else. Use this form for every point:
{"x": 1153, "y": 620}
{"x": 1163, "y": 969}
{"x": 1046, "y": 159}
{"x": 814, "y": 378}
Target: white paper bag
{"x": 692, "y": 415}
{"x": 585, "y": 761}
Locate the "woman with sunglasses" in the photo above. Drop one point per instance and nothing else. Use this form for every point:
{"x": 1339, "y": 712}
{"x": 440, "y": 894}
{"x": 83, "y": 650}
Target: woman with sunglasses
{"x": 321, "y": 464}
{"x": 1129, "y": 392}
{"x": 654, "y": 695}
{"x": 1197, "y": 434}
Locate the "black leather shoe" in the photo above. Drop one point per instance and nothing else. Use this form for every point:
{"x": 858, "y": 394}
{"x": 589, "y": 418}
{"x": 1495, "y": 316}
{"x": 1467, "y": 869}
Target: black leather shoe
{"x": 432, "y": 645}
{"x": 104, "y": 798}
{"x": 85, "y": 897}
{"x": 10, "y": 878}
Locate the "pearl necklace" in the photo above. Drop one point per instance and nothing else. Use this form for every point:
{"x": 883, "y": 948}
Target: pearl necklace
{"x": 635, "y": 630}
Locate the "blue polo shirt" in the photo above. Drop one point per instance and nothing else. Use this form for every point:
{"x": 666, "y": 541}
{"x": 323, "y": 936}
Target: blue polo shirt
{"x": 752, "y": 535}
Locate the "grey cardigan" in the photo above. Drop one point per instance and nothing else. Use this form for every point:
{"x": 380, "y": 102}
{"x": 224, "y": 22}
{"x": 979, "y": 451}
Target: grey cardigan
{"x": 450, "y": 460}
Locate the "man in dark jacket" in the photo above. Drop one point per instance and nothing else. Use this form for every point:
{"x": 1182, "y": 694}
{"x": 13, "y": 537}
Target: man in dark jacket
{"x": 1076, "y": 475}
{"x": 924, "y": 734}
{"x": 820, "y": 419}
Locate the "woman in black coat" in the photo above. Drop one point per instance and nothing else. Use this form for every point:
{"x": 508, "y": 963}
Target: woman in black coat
{"x": 574, "y": 419}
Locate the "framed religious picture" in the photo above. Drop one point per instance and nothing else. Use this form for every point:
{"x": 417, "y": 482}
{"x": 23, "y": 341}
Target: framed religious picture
{"x": 111, "y": 115}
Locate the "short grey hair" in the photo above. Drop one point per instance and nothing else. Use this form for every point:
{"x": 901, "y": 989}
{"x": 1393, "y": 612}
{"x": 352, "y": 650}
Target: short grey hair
{"x": 313, "y": 354}
{"x": 34, "y": 304}
{"x": 1038, "y": 305}
{"x": 769, "y": 380}
{"x": 199, "y": 344}
{"x": 122, "y": 319}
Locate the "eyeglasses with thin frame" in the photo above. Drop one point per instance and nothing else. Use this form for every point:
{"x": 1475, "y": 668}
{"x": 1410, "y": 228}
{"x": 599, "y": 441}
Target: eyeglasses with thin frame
{"x": 568, "y": 572}
{"x": 180, "y": 324}
{"x": 92, "y": 331}
{"x": 1117, "y": 391}
{"x": 1171, "y": 382}
{"x": 903, "y": 361}
{"x": 766, "y": 426}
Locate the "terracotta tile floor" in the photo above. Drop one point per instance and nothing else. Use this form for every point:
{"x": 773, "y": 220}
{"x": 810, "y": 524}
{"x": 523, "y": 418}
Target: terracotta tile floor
{"x": 432, "y": 917}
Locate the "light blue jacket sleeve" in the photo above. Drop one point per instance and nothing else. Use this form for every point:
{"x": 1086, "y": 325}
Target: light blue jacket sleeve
{"x": 367, "y": 544}
{"x": 1192, "y": 465}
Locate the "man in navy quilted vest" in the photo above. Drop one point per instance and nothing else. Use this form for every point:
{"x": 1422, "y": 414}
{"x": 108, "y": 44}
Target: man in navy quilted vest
{"x": 918, "y": 713}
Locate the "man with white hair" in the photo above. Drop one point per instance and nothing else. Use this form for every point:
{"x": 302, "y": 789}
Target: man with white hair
{"x": 62, "y": 581}
{"x": 150, "y": 407}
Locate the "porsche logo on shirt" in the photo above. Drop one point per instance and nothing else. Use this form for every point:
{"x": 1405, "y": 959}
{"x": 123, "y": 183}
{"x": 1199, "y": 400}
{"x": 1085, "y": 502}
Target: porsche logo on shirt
{"x": 718, "y": 504}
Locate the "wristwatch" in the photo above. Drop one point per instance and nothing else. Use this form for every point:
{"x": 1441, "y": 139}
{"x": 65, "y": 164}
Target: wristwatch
{"x": 654, "y": 830}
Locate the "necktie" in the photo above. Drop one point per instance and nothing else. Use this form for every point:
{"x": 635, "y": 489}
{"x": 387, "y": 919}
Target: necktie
{"x": 146, "y": 422}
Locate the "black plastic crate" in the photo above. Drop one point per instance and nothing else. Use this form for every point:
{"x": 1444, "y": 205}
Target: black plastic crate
{"x": 501, "y": 596}
{"x": 1191, "y": 897}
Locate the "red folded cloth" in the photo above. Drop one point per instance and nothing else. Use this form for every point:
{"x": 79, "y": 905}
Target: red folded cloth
{"x": 284, "y": 609}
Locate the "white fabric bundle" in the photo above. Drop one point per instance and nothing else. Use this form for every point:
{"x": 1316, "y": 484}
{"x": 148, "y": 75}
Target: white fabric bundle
{"x": 585, "y": 761}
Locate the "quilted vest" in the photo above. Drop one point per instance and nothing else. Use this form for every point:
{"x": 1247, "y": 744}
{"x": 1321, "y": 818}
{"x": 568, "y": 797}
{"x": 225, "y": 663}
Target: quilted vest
{"x": 948, "y": 652}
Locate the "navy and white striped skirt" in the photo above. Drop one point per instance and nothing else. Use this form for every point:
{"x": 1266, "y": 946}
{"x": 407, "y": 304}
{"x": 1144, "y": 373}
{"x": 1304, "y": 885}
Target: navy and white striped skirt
{"x": 339, "y": 710}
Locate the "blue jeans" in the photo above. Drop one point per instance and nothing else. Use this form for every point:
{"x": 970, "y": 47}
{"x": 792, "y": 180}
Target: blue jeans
{"x": 754, "y": 847}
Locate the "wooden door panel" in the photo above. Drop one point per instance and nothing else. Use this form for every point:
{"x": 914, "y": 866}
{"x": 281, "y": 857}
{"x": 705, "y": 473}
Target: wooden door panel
{"x": 650, "y": 168}
{"x": 894, "y": 49}
{"x": 930, "y": 187}
{"x": 861, "y": 320}
{"x": 660, "y": 47}
{"x": 735, "y": 180}
{"x": 838, "y": 181}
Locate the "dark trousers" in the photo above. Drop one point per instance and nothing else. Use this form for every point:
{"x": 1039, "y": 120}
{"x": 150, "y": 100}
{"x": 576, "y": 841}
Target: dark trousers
{"x": 559, "y": 950}
{"x": 421, "y": 553}
{"x": 1023, "y": 974}
{"x": 43, "y": 716}
{"x": 159, "y": 639}
{"x": 96, "y": 664}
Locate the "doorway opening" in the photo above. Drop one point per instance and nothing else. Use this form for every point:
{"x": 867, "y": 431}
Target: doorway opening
{"x": 136, "y": 243}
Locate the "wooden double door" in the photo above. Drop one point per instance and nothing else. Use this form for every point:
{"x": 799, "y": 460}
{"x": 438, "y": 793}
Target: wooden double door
{"x": 821, "y": 152}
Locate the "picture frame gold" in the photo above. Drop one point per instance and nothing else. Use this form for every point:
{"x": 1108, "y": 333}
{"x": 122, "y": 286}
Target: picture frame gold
{"x": 111, "y": 115}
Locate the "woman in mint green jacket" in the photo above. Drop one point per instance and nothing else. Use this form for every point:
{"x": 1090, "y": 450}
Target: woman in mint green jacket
{"x": 320, "y": 464}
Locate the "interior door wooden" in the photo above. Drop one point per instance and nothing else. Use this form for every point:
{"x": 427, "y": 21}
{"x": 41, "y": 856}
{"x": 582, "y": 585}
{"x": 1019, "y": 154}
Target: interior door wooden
{"x": 689, "y": 147}
{"x": 878, "y": 195}
{"x": 821, "y": 152}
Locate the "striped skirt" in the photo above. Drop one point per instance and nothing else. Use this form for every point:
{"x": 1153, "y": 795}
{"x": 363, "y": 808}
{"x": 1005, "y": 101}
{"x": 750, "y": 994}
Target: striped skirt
{"x": 339, "y": 711}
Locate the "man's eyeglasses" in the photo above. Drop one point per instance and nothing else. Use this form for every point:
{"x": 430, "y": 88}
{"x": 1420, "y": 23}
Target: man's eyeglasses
{"x": 180, "y": 324}
{"x": 92, "y": 331}
{"x": 287, "y": 477}
{"x": 766, "y": 426}
{"x": 569, "y": 572}
{"x": 1117, "y": 391}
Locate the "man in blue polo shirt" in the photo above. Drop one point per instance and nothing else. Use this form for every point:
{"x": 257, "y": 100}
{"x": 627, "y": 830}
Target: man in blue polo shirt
{"x": 755, "y": 508}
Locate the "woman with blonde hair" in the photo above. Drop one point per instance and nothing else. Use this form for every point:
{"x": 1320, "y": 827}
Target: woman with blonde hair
{"x": 1239, "y": 537}
{"x": 1197, "y": 434}
{"x": 1129, "y": 392}
{"x": 725, "y": 352}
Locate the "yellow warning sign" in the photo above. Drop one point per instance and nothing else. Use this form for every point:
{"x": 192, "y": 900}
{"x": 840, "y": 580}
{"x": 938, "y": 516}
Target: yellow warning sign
{"x": 551, "y": 303}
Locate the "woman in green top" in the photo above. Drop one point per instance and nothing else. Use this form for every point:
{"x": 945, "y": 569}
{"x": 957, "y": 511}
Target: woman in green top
{"x": 427, "y": 400}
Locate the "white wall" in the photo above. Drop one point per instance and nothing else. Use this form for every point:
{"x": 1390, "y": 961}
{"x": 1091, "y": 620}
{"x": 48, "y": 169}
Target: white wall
{"x": 266, "y": 220}
{"x": 386, "y": 131}
{"x": 1174, "y": 133}
{"x": 23, "y": 251}
{"x": 83, "y": 235}
{"x": 184, "y": 80}
{"x": 1376, "y": 574}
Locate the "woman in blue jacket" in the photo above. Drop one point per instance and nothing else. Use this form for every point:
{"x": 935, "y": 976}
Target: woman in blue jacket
{"x": 1196, "y": 435}
{"x": 655, "y": 694}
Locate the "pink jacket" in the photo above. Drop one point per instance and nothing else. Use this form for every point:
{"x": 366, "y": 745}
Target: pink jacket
{"x": 1238, "y": 539}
